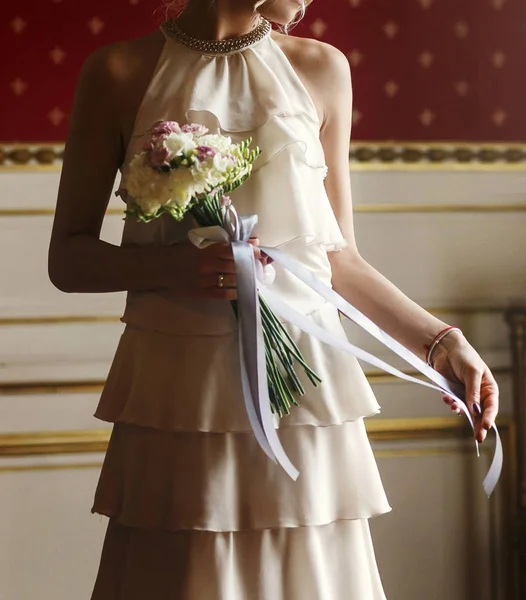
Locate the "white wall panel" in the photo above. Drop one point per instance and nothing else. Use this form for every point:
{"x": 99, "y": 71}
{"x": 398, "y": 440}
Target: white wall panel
{"x": 49, "y": 412}
{"x": 49, "y": 541}
{"x": 448, "y": 259}
{"x": 63, "y": 351}
{"x": 25, "y": 288}
{"x": 428, "y": 187}
{"x": 437, "y": 542}
{"x": 441, "y": 523}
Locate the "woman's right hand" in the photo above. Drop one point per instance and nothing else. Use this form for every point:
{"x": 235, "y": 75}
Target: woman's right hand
{"x": 197, "y": 275}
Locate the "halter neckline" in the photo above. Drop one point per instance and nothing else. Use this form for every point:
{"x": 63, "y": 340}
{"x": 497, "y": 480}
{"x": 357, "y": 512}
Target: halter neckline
{"x": 217, "y": 47}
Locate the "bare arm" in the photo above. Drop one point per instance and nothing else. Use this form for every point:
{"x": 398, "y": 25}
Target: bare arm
{"x": 78, "y": 260}
{"x": 353, "y": 277}
{"x": 372, "y": 293}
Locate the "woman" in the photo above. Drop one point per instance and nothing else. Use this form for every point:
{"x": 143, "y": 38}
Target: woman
{"x": 196, "y": 509}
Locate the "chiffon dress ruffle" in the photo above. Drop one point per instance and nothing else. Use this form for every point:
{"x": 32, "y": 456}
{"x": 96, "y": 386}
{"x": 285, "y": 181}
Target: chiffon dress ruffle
{"x": 197, "y": 510}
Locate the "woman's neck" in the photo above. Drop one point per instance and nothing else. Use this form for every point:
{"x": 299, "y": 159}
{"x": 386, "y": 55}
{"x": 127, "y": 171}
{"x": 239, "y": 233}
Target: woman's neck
{"x": 218, "y": 19}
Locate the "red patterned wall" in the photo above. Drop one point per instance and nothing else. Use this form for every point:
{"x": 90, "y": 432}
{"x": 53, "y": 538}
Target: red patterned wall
{"x": 423, "y": 69}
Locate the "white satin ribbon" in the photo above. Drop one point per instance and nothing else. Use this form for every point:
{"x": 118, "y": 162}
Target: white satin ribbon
{"x": 456, "y": 391}
{"x": 237, "y": 230}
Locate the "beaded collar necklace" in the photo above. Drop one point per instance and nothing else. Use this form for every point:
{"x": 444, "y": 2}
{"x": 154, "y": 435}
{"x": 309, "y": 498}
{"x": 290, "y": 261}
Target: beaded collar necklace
{"x": 241, "y": 42}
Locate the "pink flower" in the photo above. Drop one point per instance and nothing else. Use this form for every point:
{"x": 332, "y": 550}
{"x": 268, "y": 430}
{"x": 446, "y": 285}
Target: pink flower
{"x": 205, "y": 152}
{"x": 148, "y": 145}
{"x": 160, "y": 157}
{"x": 194, "y": 128}
{"x": 165, "y": 128}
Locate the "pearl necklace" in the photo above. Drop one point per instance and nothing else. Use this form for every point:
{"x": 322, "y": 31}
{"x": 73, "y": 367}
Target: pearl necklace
{"x": 262, "y": 30}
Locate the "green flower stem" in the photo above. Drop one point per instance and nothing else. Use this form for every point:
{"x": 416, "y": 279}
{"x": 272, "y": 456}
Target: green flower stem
{"x": 279, "y": 392}
{"x": 209, "y": 215}
{"x": 278, "y": 330}
{"x": 283, "y": 405}
{"x": 272, "y": 395}
{"x": 293, "y": 348}
{"x": 275, "y": 336}
{"x": 276, "y": 396}
{"x": 280, "y": 349}
{"x": 278, "y": 325}
{"x": 273, "y": 386}
{"x": 313, "y": 376}
{"x": 279, "y": 345}
{"x": 213, "y": 206}
{"x": 286, "y": 395}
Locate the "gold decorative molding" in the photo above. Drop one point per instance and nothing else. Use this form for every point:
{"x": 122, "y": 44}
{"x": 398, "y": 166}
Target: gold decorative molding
{"x": 357, "y": 209}
{"x": 388, "y": 155}
{"x": 76, "y": 319}
{"x": 437, "y": 155}
{"x": 27, "y": 212}
{"x": 467, "y": 310}
{"x": 58, "y": 320}
{"x": 374, "y": 376}
{"x": 36, "y": 156}
{"x": 54, "y": 442}
{"x": 44, "y": 388}
{"x": 428, "y": 167}
{"x": 50, "y": 467}
{"x": 96, "y": 440}
{"x": 438, "y": 208}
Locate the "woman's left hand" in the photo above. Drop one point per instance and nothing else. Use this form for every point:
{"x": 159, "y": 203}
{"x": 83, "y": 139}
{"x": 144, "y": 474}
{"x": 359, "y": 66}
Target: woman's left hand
{"x": 458, "y": 361}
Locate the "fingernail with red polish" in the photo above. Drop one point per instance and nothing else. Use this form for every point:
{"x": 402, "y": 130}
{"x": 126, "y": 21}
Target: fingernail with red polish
{"x": 476, "y": 408}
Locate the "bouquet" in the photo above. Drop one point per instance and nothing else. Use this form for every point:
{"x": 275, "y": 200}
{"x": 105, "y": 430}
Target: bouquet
{"x": 184, "y": 169}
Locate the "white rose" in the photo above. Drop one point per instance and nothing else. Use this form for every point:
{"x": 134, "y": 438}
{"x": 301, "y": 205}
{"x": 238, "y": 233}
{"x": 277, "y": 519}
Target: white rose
{"x": 180, "y": 143}
{"x": 225, "y": 172}
{"x": 149, "y": 206}
{"x": 219, "y": 143}
{"x": 200, "y": 168}
{"x": 214, "y": 178}
{"x": 181, "y": 187}
{"x": 213, "y": 171}
{"x": 152, "y": 189}
{"x": 223, "y": 163}
{"x": 144, "y": 185}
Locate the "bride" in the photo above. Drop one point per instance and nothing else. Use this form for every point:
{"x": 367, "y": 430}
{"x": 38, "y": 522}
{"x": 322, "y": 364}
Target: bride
{"x": 196, "y": 510}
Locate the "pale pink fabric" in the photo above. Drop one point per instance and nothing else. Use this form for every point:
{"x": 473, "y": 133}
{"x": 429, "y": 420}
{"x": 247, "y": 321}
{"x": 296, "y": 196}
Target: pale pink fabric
{"x": 197, "y": 510}
{"x": 332, "y": 562}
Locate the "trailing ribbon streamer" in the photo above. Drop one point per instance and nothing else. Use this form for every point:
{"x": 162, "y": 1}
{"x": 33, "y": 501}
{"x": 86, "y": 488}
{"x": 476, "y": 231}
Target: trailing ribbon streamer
{"x": 237, "y": 230}
{"x": 304, "y": 323}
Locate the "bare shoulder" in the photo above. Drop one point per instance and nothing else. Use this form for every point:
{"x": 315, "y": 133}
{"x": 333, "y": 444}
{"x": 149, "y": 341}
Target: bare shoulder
{"x": 323, "y": 69}
{"x": 121, "y": 63}
{"x": 316, "y": 58}
{"x": 117, "y": 76}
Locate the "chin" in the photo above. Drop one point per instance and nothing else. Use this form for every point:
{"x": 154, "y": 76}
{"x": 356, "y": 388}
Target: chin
{"x": 281, "y": 12}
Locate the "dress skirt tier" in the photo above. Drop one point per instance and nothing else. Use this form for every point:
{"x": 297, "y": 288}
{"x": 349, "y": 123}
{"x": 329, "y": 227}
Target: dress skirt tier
{"x": 325, "y": 562}
{"x": 196, "y": 509}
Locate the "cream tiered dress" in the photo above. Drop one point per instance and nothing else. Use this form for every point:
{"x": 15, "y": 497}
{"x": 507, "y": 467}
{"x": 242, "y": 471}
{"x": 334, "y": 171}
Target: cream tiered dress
{"x": 197, "y": 510}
